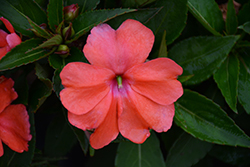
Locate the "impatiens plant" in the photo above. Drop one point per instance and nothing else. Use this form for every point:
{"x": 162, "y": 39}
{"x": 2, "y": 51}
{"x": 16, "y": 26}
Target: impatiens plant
{"x": 124, "y": 83}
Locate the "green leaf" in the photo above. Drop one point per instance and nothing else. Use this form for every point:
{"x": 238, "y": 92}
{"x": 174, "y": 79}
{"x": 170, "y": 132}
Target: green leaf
{"x": 241, "y": 44}
{"x": 55, "y": 13}
{"x": 142, "y": 15}
{"x": 147, "y": 154}
{"x": 204, "y": 119}
{"x": 84, "y": 22}
{"x": 172, "y": 19}
{"x": 59, "y": 138}
{"x": 231, "y": 20}
{"x": 245, "y": 27}
{"x": 208, "y": 14}
{"x": 244, "y": 79}
{"x": 135, "y": 3}
{"x": 227, "y": 77}
{"x": 23, "y": 54}
{"x": 55, "y": 40}
{"x": 201, "y": 56}
{"x": 243, "y": 15}
{"x": 84, "y": 142}
{"x": 84, "y": 5}
{"x": 163, "y": 47}
{"x": 40, "y": 31}
{"x": 187, "y": 151}
{"x": 57, "y": 85}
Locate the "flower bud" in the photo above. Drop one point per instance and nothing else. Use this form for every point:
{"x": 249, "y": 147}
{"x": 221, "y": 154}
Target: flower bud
{"x": 68, "y": 32}
{"x": 63, "y": 51}
{"x": 70, "y": 12}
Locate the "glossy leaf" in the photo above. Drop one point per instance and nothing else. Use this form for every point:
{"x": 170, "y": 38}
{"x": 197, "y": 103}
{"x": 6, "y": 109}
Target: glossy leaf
{"x": 147, "y": 154}
{"x": 245, "y": 27}
{"x": 201, "y": 56}
{"x": 187, "y": 151}
{"x": 208, "y": 14}
{"x": 23, "y": 54}
{"x": 163, "y": 47}
{"x": 55, "y": 13}
{"x": 204, "y": 119}
{"x": 40, "y": 31}
{"x": 244, "y": 79}
{"x": 231, "y": 20}
{"x": 172, "y": 19}
{"x": 59, "y": 137}
{"x": 84, "y": 22}
{"x": 243, "y": 15}
{"x": 227, "y": 77}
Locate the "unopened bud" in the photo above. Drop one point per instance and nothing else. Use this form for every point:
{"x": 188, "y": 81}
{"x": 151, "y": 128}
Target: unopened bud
{"x": 68, "y": 32}
{"x": 63, "y": 51}
{"x": 71, "y": 12}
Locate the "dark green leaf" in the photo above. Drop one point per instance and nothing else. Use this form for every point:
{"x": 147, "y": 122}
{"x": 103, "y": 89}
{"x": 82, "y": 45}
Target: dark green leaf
{"x": 208, "y": 14}
{"x": 163, "y": 47}
{"x": 227, "y": 77}
{"x": 135, "y": 3}
{"x": 55, "y": 13}
{"x": 57, "y": 85}
{"x": 244, "y": 79}
{"x": 245, "y": 27}
{"x": 84, "y": 142}
{"x": 187, "y": 151}
{"x": 231, "y": 20}
{"x": 53, "y": 41}
{"x": 59, "y": 137}
{"x": 23, "y": 54}
{"x": 204, "y": 119}
{"x": 242, "y": 44}
{"x": 142, "y": 15}
{"x": 84, "y": 22}
{"x": 172, "y": 19}
{"x": 147, "y": 154}
{"x": 244, "y": 15}
{"x": 201, "y": 56}
{"x": 40, "y": 31}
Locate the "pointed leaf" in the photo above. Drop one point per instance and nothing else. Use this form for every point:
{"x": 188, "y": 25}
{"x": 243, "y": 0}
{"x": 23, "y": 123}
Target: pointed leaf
{"x": 244, "y": 79}
{"x": 208, "y": 14}
{"x": 84, "y": 22}
{"x": 227, "y": 77}
{"x": 231, "y": 20}
{"x": 23, "y": 54}
{"x": 204, "y": 119}
{"x": 82, "y": 139}
{"x": 245, "y": 27}
{"x": 147, "y": 154}
{"x": 55, "y": 13}
{"x": 172, "y": 19}
{"x": 163, "y": 47}
{"x": 244, "y": 15}
{"x": 40, "y": 31}
{"x": 16, "y": 11}
{"x": 55, "y": 40}
{"x": 201, "y": 56}
{"x": 187, "y": 151}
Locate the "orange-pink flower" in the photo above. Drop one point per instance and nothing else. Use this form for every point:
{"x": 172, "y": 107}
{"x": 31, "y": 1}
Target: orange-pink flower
{"x": 118, "y": 91}
{"x": 8, "y": 41}
{"x": 14, "y": 119}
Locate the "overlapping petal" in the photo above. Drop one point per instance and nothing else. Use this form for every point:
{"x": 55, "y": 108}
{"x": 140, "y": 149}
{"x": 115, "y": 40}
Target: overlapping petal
{"x": 3, "y": 36}
{"x": 13, "y": 40}
{"x": 119, "y": 50}
{"x": 7, "y": 92}
{"x": 159, "y": 117}
{"x": 107, "y": 130}
{"x": 156, "y": 79}
{"x": 15, "y": 127}
{"x": 93, "y": 118}
{"x": 79, "y": 74}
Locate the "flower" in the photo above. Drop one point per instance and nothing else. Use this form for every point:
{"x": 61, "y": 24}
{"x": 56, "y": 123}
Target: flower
{"x": 8, "y": 41}
{"x": 118, "y": 91}
{"x": 14, "y": 119}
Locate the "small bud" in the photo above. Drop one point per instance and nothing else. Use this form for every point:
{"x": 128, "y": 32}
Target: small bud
{"x": 70, "y": 12}
{"x": 63, "y": 51}
{"x": 68, "y": 32}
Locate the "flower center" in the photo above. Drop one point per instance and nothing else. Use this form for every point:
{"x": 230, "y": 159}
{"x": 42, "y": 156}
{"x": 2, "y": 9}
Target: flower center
{"x": 119, "y": 81}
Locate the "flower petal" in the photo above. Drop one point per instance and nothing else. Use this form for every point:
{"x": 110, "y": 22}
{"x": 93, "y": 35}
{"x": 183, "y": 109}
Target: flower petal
{"x": 13, "y": 40}
{"x": 1, "y": 148}
{"x": 93, "y": 118}
{"x": 130, "y": 123}
{"x": 81, "y": 100}
{"x": 15, "y": 127}
{"x": 7, "y": 92}
{"x": 119, "y": 50}
{"x": 3, "y": 52}
{"x": 156, "y": 80}
{"x": 79, "y": 74}
{"x": 7, "y": 24}
{"x": 159, "y": 117}
{"x": 108, "y": 129}
{"x": 3, "y": 41}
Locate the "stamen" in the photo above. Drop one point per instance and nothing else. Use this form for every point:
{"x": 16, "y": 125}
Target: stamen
{"x": 119, "y": 81}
